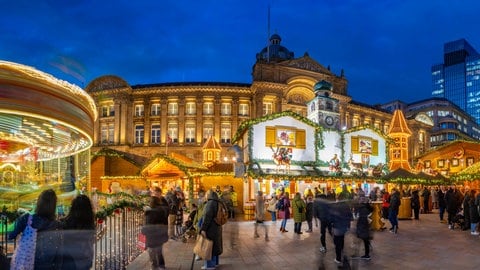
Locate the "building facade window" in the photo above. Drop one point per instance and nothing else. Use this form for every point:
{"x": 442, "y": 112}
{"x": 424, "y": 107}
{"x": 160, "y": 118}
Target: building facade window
{"x": 108, "y": 111}
{"x": 172, "y": 108}
{"x": 226, "y": 108}
{"x": 139, "y": 110}
{"x": 155, "y": 134}
{"x": 355, "y": 122}
{"x": 190, "y": 132}
{"x": 173, "y": 131}
{"x": 226, "y": 133}
{"x": 208, "y": 108}
{"x": 267, "y": 108}
{"x": 139, "y": 134}
{"x": 243, "y": 109}
{"x": 155, "y": 109}
{"x": 190, "y": 108}
{"x": 207, "y": 131}
{"x": 107, "y": 133}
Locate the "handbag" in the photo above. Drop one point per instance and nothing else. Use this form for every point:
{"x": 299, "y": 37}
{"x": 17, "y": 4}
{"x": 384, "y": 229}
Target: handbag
{"x": 24, "y": 256}
{"x": 203, "y": 247}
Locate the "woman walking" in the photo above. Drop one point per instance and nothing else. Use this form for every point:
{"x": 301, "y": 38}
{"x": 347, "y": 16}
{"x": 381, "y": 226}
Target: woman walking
{"x": 341, "y": 218}
{"x": 363, "y": 211}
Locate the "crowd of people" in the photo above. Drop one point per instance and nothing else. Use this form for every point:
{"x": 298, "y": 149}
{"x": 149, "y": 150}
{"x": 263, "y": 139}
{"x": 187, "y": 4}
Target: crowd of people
{"x": 65, "y": 243}
{"x": 164, "y": 221}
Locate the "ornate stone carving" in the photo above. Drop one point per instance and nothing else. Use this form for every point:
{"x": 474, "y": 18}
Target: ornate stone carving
{"x": 307, "y": 64}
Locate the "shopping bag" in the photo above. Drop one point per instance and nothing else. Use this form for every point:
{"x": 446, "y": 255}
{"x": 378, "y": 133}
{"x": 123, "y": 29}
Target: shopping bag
{"x": 24, "y": 256}
{"x": 203, "y": 247}
{"x": 142, "y": 241}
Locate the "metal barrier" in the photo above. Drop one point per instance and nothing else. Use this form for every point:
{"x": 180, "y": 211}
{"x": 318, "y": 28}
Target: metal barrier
{"x": 116, "y": 243}
{"x": 6, "y": 247}
{"x": 116, "y": 239}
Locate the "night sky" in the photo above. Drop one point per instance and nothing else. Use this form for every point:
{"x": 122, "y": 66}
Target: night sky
{"x": 386, "y": 48}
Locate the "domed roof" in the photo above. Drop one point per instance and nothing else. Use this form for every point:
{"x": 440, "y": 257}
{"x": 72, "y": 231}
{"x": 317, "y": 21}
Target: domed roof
{"x": 274, "y": 52}
{"x": 322, "y": 86}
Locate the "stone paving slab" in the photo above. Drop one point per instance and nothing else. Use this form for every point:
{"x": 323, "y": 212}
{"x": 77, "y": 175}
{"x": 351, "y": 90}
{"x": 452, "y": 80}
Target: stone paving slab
{"x": 419, "y": 244}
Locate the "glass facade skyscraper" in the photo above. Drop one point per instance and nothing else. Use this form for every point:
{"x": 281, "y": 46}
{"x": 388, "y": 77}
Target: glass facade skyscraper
{"x": 458, "y": 78}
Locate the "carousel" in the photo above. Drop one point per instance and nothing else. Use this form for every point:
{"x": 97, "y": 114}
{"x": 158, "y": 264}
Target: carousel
{"x": 46, "y": 126}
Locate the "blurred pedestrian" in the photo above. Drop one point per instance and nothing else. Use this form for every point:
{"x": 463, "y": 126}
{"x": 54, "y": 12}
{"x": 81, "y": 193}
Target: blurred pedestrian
{"x": 78, "y": 235}
{"x": 363, "y": 211}
{"x": 156, "y": 231}
{"x": 341, "y": 216}
{"x": 321, "y": 211}
{"x": 260, "y": 215}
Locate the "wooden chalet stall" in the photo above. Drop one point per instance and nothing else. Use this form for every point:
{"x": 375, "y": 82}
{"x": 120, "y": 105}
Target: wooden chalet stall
{"x": 289, "y": 152}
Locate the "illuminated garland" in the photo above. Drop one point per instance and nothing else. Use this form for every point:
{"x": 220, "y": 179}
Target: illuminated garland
{"x": 185, "y": 168}
{"x": 249, "y": 123}
{"x": 116, "y": 206}
{"x": 107, "y": 152}
{"x": 122, "y": 201}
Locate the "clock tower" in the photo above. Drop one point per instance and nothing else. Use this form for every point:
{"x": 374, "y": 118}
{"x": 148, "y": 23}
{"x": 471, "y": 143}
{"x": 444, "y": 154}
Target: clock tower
{"x": 324, "y": 109}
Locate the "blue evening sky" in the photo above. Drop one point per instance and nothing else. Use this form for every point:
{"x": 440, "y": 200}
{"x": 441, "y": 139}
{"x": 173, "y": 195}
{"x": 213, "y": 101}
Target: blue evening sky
{"x": 386, "y": 47}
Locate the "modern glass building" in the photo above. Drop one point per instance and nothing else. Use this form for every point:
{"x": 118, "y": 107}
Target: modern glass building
{"x": 458, "y": 78}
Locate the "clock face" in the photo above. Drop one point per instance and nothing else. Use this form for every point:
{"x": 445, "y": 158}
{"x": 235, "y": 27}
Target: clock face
{"x": 329, "y": 120}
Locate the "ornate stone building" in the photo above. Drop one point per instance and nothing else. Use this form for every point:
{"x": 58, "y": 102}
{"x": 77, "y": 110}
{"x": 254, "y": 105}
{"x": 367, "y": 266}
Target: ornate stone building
{"x": 139, "y": 120}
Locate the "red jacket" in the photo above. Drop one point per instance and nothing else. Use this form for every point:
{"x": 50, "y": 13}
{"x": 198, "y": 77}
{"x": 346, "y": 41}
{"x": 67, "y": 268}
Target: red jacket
{"x": 386, "y": 200}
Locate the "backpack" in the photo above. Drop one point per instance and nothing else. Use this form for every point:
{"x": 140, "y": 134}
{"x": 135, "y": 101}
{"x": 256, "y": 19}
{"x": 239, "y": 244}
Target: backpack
{"x": 24, "y": 255}
{"x": 281, "y": 204}
{"x": 222, "y": 214}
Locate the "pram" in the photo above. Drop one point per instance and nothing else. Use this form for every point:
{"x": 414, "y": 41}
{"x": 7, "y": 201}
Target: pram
{"x": 459, "y": 219}
{"x": 188, "y": 230}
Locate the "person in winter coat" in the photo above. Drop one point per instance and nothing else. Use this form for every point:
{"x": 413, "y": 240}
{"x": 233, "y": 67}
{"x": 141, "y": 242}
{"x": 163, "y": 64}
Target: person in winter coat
{"x": 341, "y": 216}
{"x": 286, "y": 210}
{"x": 211, "y": 230}
{"x": 172, "y": 201}
{"x": 156, "y": 231}
{"x": 309, "y": 213}
{"x": 393, "y": 210}
{"x": 466, "y": 210}
{"x": 415, "y": 203}
{"x": 321, "y": 211}
{"x": 474, "y": 215}
{"x": 299, "y": 209}
{"x": 363, "y": 210}
{"x": 78, "y": 235}
{"x": 48, "y": 253}
{"x": 272, "y": 207}
{"x": 453, "y": 202}
{"x": 442, "y": 205}
{"x": 260, "y": 214}
{"x": 426, "y": 200}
